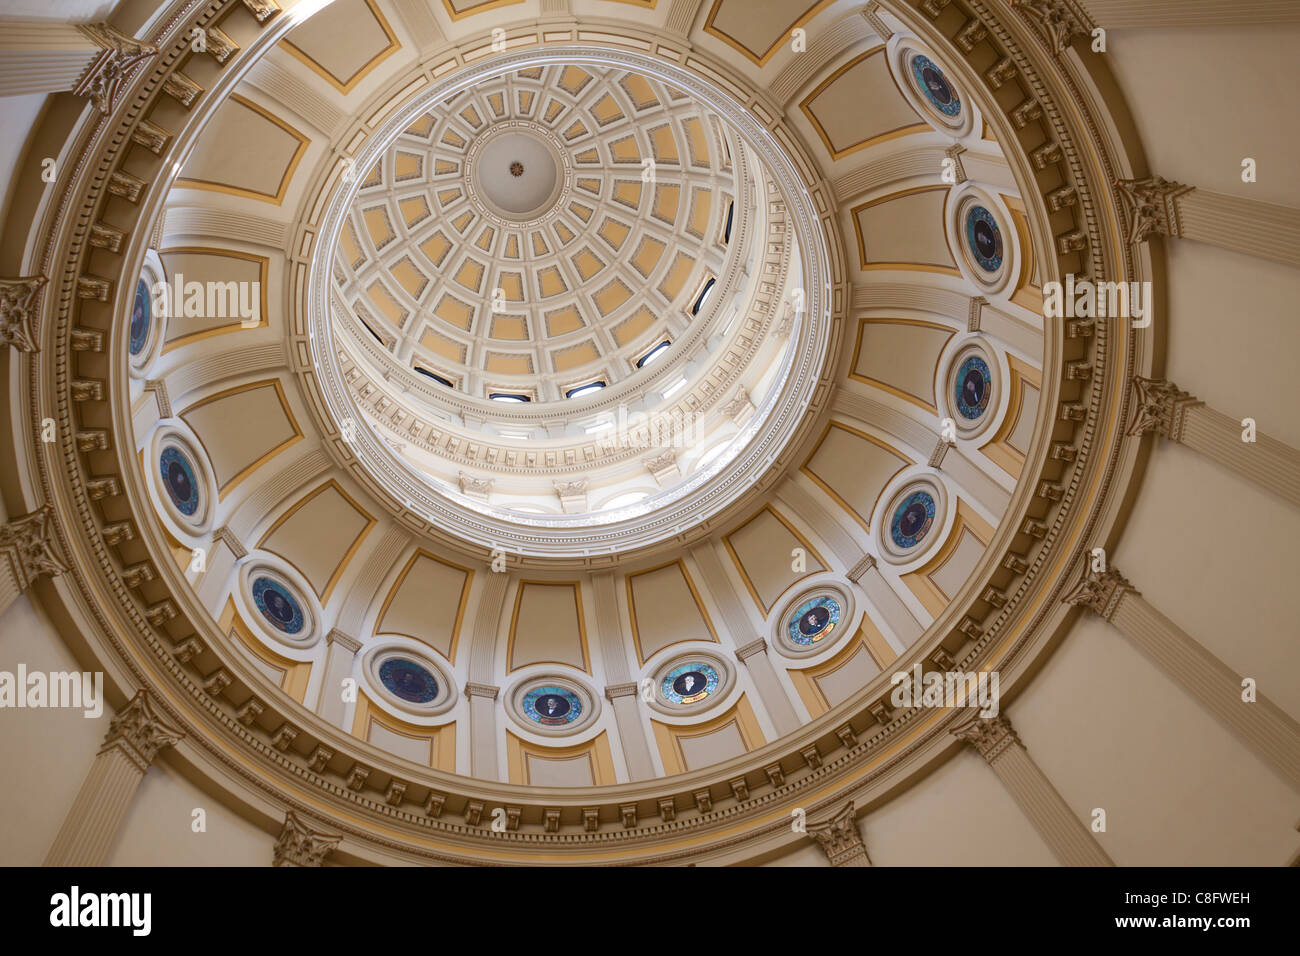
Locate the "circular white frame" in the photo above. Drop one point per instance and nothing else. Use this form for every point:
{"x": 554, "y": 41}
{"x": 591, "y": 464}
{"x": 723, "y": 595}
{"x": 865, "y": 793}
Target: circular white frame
{"x": 960, "y": 200}
{"x": 590, "y": 703}
{"x": 544, "y": 211}
{"x": 390, "y": 646}
{"x": 900, "y": 50}
{"x": 914, "y": 481}
{"x": 726, "y": 682}
{"x": 827, "y": 585}
{"x": 188, "y": 529}
{"x": 958, "y": 352}
{"x": 694, "y": 500}
{"x": 295, "y": 648}
{"x": 152, "y": 274}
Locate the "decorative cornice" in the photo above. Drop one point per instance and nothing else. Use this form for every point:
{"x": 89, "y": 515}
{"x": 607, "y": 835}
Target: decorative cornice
{"x": 621, "y": 690}
{"x": 1152, "y": 207}
{"x": 959, "y": 171}
{"x": 744, "y": 653}
{"x": 18, "y": 312}
{"x": 335, "y": 636}
{"x": 872, "y": 13}
{"x": 739, "y": 408}
{"x": 481, "y": 690}
{"x": 991, "y": 736}
{"x": 122, "y": 54}
{"x": 475, "y": 487}
{"x": 840, "y": 839}
{"x": 300, "y": 845}
{"x": 262, "y": 10}
{"x": 862, "y": 567}
{"x": 1100, "y": 592}
{"x": 1058, "y": 23}
{"x": 159, "y": 389}
{"x": 1161, "y": 407}
{"x": 231, "y": 541}
{"x": 139, "y": 733}
{"x": 940, "y": 449}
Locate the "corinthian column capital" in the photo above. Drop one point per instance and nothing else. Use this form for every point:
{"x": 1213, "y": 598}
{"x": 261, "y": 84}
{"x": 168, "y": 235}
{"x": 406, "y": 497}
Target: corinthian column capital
{"x": 139, "y": 733}
{"x": 104, "y": 76}
{"x": 1100, "y": 592}
{"x": 17, "y": 314}
{"x": 840, "y": 839}
{"x": 300, "y": 845}
{"x": 28, "y": 546}
{"x": 991, "y": 736}
{"x": 1161, "y": 407}
{"x": 1057, "y": 22}
{"x": 1152, "y": 206}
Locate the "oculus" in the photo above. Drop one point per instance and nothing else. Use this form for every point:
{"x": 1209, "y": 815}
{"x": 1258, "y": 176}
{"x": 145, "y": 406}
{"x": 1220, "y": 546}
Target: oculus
{"x": 934, "y": 86}
{"x": 813, "y": 621}
{"x": 141, "y": 318}
{"x": 179, "y": 480}
{"x": 281, "y": 609}
{"x": 551, "y": 706}
{"x": 406, "y": 679}
{"x": 972, "y": 388}
{"x": 912, "y": 520}
{"x": 690, "y": 683}
{"x": 984, "y": 239}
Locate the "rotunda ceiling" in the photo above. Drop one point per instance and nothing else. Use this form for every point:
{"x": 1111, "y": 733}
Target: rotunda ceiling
{"x": 603, "y": 350}
{"x": 394, "y": 470}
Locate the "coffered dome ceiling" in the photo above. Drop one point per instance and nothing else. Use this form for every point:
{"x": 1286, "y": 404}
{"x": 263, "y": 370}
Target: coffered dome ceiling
{"x": 560, "y": 253}
{"x": 853, "y": 456}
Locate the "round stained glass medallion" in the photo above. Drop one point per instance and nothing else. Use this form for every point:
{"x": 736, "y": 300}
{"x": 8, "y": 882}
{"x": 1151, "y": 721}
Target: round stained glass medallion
{"x": 278, "y": 606}
{"x": 179, "y": 480}
{"x": 141, "y": 318}
{"x": 552, "y": 706}
{"x": 689, "y": 683}
{"x": 972, "y": 388}
{"x": 984, "y": 238}
{"x": 408, "y": 680}
{"x": 813, "y": 620}
{"x": 931, "y": 81}
{"x": 912, "y": 519}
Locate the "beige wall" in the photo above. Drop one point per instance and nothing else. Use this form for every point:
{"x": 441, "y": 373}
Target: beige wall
{"x": 960, "y": 815}
{"x": 1110, "y": 730}
{"x": 1206, "y": 98}
{"x": 45, "y": 753}
{"x": 157, "y": 830}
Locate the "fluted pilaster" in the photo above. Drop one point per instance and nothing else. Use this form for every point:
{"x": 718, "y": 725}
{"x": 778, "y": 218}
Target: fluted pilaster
{"x": 1260, "y": 724}
{"x": 754, "y": 656}
{"x": 1164, "y": 409}
{"x": 1069, "y": 840}
{"x": 338, "y": 667}
{"x": 90, "y": 59}
{"x": 135, "y": 736}
{"x": 631, "y": 730}
{"x": 482, "y": 730}
{"x": 26, "y": 552}
{"x": 1261, "y": 229}
{"x": 1119, "y": 14}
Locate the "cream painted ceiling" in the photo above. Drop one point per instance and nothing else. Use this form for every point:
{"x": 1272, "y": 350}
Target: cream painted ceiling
{"x": 283, "y": 495}
{"x": 607, "y": 271}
